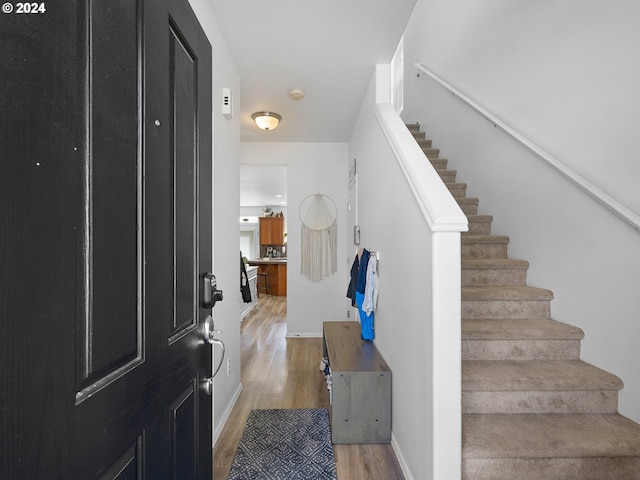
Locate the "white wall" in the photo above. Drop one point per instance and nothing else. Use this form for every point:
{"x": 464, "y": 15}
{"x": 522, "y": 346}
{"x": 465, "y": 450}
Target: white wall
{"x": 311, "y": 168}
{"x": 566, "y": 75}
{"x": 226, "y": 195}
{"x": 392, "y": 224}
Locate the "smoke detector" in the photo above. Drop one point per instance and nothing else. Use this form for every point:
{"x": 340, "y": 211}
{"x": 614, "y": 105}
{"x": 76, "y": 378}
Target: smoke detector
{"x": 296, "y": 94}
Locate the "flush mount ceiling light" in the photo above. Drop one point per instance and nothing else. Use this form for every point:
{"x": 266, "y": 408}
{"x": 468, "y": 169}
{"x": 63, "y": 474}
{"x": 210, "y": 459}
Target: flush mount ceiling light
{"x": 266, "y": 120}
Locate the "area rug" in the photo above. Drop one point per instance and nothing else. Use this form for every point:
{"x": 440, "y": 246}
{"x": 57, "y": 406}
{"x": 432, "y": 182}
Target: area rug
{"x": 285, "y": 444}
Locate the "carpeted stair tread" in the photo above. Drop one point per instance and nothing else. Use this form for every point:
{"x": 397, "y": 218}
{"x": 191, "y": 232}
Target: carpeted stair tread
{"x": 474, "y": 245}
{"x": 549, "y": 436}
{"x": 519, "y": 329}
{"x": 493, "y": 271}
{"x": 458, "y": 190}
{"x": 468, "y": 201}
{"x": 519, "y": 339}
{"x": 447, "y": 176}
{"x": 480, "y": 218}
{"x": 469, "y": 205}
{"x": 535, "y": 375}
{"x": 479, "y": 224}
{"x": 431, "y": 152}
{"x": 439, "y": 163}
{"x": 506, "y": 292}
{"x": 484, "y": 238}
{"x": 532, "y": 410}
{"x": 494, "y": 263}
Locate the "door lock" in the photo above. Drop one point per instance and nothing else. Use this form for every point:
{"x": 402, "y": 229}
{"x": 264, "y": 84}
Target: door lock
{"x": 211, "y": 292}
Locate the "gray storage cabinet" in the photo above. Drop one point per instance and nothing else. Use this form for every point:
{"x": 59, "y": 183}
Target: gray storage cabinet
{"x": 361, "y": 390}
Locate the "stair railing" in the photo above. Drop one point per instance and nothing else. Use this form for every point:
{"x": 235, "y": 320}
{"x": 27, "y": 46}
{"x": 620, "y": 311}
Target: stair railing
{"x": 607, "y": 200}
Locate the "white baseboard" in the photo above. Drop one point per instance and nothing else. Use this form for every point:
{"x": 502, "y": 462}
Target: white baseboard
{"x": 227, "y": 412}
{"x": 400, "y": 457}
{"x": 304, "y": 335}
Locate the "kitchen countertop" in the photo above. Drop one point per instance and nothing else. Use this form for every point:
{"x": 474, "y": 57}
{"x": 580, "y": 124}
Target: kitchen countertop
{"x": 262, "y": 261}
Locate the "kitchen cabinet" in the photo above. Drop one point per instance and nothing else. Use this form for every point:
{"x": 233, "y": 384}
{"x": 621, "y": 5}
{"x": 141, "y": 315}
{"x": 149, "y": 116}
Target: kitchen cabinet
{"x": 271, "y": 230}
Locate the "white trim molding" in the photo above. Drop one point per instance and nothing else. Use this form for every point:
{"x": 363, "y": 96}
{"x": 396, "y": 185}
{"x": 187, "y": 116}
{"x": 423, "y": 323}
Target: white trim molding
{"x": 226, "y": 414}
{"x": 401, "y": 460}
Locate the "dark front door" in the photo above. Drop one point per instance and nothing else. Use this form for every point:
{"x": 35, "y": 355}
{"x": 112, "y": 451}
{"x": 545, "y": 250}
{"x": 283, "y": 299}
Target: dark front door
{"x": 105, "y": 181}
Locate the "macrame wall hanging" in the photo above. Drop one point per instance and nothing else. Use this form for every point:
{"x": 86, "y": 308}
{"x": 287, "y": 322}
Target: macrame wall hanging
{"x": 319, "y": 235}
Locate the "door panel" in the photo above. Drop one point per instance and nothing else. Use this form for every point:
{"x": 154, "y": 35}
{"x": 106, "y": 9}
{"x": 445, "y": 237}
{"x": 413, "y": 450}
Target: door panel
{"x": 127, "y": 466}
{"x": 108, "y": 237}
{"x": 183, "y": 77}
{"x": 184, "y": 434}
{"x": 112, "y": 321}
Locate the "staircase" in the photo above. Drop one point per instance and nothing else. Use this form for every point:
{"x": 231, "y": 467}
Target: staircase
{"x": 531, "y": 409}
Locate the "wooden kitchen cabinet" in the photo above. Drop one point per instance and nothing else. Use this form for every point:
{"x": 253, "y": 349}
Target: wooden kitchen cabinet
{"x": 271, "y": 230}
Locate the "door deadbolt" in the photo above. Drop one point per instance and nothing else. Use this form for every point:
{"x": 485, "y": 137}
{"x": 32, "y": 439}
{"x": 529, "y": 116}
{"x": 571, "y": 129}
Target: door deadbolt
{"x": 211, "y": 292}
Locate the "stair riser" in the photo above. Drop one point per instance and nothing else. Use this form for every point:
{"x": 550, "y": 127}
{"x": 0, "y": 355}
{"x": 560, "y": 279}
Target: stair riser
{"x": 520, "y": 349}
{"x": 447, "y": 176}
{"x": 539, "y": 402}
{"x": 439, "y": 163}
{"x": 479, "y": 228}
{"x": 627, "y": 468}
{"x": 494, "y": 277}
{"x": 484, "y": 250}
{"x": 418, "y": 135}
{"x": 457, "y": 190}
{"x": 423, "y": 142}
{"x": 431, "y": 152}
{"x": 506, "y": 309}
{"x": 469, "y": 208}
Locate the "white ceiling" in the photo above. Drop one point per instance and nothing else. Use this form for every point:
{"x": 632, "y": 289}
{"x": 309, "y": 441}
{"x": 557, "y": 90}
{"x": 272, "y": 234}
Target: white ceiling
{"x": 259, "y": 185}
{"x": 329, "y": 48}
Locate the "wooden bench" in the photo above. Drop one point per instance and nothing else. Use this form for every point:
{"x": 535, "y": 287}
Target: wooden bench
{"x": 361, "y": 390}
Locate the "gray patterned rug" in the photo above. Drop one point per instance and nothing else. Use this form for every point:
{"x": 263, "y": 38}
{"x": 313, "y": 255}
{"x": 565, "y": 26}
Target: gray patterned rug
{"x": 285, "y": 445}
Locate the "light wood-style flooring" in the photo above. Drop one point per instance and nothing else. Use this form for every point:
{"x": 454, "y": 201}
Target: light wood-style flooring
{"x": 280, "y": 372}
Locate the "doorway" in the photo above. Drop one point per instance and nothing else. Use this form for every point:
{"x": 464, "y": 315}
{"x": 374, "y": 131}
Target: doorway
{"x": 263, "y": 228}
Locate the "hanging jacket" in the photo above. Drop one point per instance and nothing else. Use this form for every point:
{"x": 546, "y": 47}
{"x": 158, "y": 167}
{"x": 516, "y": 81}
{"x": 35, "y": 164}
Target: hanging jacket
{"x": 351, "y": 290}
{"x": 244, "y": 282}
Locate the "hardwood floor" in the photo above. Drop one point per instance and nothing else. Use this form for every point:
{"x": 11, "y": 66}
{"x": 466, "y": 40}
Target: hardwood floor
{"x": 280, "y": 372}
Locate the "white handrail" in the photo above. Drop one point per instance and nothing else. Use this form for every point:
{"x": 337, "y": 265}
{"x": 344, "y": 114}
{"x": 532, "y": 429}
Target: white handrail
{"x": 438, "y": 207}
{"x": 607, "y": 200}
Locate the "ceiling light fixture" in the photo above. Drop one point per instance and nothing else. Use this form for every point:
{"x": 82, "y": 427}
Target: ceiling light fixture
{"x": 266, "y": 120}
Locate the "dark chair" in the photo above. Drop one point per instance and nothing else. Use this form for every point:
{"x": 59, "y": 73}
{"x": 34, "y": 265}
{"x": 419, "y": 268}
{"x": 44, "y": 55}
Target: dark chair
{"x": 264, "y": 282}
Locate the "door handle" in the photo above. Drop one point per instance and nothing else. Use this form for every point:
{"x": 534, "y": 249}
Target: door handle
{"x": 211, "y": 292}
{"x": 209, "y": 332}
{"x": 208, "y": 382}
